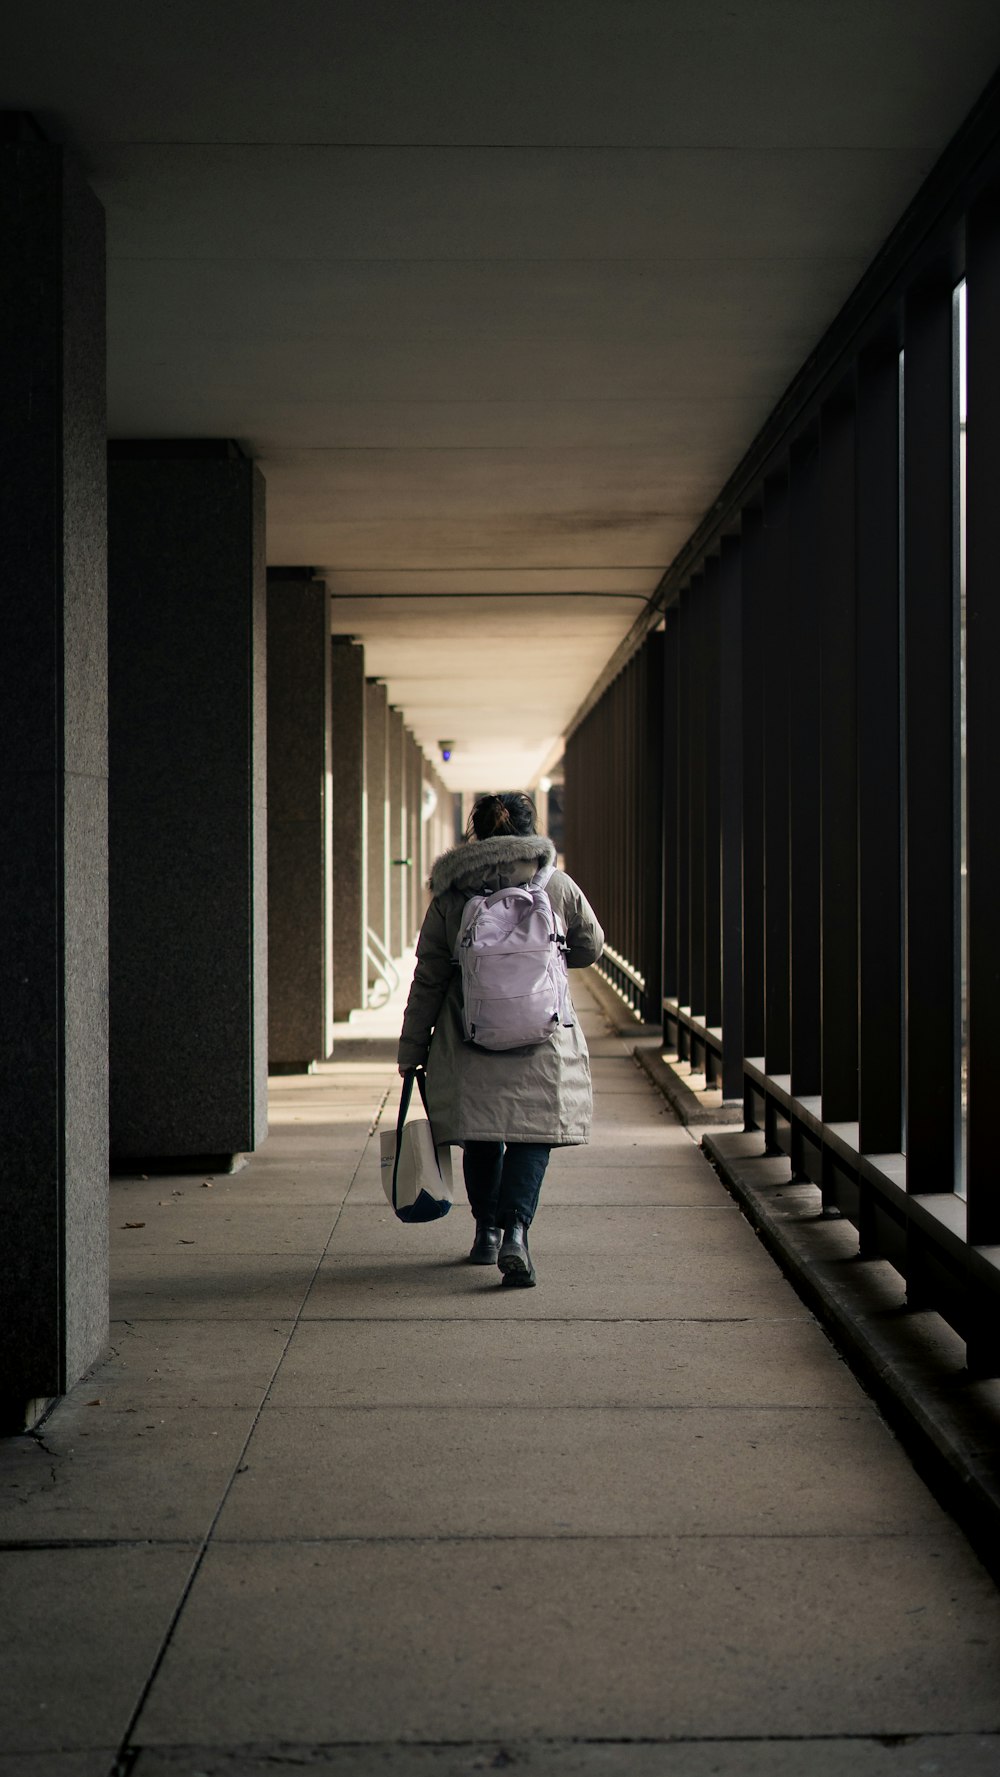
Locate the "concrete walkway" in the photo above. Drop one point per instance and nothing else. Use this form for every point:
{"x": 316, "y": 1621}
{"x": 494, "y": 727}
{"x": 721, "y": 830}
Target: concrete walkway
{"x": 337, "y": 1502}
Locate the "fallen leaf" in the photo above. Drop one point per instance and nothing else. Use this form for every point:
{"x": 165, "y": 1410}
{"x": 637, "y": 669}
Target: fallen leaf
{"x": 206, "y": 1184}
{"x": 133, "y": 1224}
{"x": 183, "y": 1242}
{"x": 95, "y": 1403}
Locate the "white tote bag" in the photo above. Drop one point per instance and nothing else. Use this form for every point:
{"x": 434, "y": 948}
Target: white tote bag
{"x": 416, "y": 1172}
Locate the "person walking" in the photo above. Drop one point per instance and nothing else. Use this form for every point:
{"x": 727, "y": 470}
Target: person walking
{"x": 507, "y": 1109}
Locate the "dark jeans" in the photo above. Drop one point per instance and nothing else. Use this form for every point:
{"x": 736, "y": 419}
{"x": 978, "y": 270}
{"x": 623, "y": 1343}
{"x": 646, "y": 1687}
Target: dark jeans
{"x": 503, "y": 1179}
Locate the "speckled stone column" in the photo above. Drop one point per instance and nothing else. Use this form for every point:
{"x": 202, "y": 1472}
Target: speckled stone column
{"x": 397, "y": 832}
{"x": 414, "y": 825}
{"x": 350, "y": 863}
{"x": 423, "y": 860}
{"x": 438, "y": 827}
{"x": 299, "y": 879}
{"x": 53, "y": 779}
{"x": 377, "y": 786}
{"x": 187, "y": 636}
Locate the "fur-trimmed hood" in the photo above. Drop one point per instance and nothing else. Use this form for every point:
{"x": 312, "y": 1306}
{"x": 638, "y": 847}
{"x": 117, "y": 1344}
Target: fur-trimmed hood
{"x": 481, "y": 865}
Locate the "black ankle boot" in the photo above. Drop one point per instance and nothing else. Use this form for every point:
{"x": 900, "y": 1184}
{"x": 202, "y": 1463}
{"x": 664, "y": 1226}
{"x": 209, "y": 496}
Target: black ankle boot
{"x": 514, "y": 1259}
{"x": 486, "y": 1244}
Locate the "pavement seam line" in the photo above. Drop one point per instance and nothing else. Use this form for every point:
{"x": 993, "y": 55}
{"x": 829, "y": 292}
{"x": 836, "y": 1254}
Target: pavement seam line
{"x": 258, "y": 1748}
{"x": 127, "y": 1752}
{"x": 358, "y": 1539}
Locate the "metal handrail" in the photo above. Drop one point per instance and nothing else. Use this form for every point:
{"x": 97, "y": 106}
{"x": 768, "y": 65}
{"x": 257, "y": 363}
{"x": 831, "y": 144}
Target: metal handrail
{"x": 382, "y": 964}
{"x": 383, "y": 954}
{"x": 632, "y": 974}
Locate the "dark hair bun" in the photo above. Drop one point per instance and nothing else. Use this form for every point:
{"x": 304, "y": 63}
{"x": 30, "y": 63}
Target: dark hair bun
{"x": 511, "y": 811}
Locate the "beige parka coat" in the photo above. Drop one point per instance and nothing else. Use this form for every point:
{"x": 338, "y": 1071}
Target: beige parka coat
{"x": 539, "y": 1094}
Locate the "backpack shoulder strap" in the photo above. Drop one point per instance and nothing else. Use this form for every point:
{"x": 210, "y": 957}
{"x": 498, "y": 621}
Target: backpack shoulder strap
{"x": 470, "y": 913}
{"x": 540, "y": 881}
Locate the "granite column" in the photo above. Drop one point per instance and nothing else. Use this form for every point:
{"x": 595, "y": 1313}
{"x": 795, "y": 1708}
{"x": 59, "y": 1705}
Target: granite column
{"x": 187, "y": 635}
{"x": 350, "y": 863}
{"x": 397, "y": 833}
{"x": 414, "y": 836}
{"x": 299, "y": 831}
{"x": 377, "y": 785}
{"x": 53, "y": 779}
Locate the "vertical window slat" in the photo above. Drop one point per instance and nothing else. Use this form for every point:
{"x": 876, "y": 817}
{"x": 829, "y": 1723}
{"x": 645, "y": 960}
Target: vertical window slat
{"x": 880, "y": 1016}
{"x": 777, "y": 1029}
{"x": 839, "y": 774}
{"x": 982, "y": 725}
{"x": 931, "y": 817}
{"x": 804, "y": 767}
{"x": 754, "y": 592}
{"x": 731, "y": 813}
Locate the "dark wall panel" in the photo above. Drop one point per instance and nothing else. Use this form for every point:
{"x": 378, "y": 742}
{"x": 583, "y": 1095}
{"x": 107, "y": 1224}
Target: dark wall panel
{"x": 614, "y": 824}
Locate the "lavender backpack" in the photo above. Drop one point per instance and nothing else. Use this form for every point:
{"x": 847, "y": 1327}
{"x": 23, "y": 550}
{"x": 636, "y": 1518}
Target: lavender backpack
{"x": 512, "y": 953}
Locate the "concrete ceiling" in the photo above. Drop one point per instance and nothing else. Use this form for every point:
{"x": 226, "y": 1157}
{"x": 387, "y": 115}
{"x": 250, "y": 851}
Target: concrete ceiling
{"x": 497, "y": 294}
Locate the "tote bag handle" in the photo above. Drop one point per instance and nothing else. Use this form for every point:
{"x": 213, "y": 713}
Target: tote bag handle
{"x": 411, "y": 1074}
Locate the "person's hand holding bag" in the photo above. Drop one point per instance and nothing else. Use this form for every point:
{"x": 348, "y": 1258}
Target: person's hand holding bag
{"x": 416, "y": 1173}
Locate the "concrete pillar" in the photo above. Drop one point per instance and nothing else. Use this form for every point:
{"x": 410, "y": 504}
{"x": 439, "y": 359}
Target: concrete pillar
{"x": 432, "y": 829}
{"x": 299, "y": 834}
{"x": 397, "y": 832}
{"x": 414, "y": 800}
{"x": 53, "y": 779}
{"x": 424, "y": 841}
{"x": 187, "y": 636}
{"x": 377, "y": 786}
{"x": 348, "y": 823}
{"x": 447, "y": 836}
{"x": 436, "y": 828}
{"x": 444, "y": 821}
